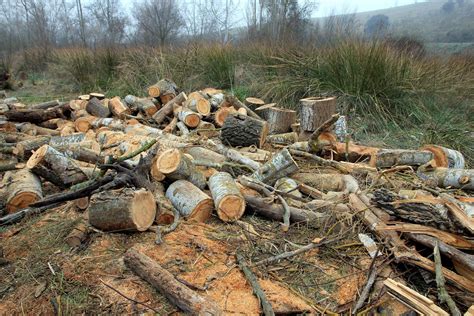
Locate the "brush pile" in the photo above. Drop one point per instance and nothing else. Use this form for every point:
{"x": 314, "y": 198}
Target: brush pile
{"x": 140, "y": 164}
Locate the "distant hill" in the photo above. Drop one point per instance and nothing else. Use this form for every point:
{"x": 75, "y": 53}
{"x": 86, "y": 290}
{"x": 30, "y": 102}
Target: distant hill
{"x": 429, "y": 21}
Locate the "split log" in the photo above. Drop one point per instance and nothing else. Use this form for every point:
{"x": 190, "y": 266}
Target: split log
{"x": 234, "y": 155}
{"x": 117, "y": 107}
{"x": 275, "y": 211}
{"x": 197, "y": 103}
{"x": 162, "y": 88}
{"x": 445, "y": 157}
{"x": 314, "y": 111}
{"x": 175, "y": 165}
{"x": 387, "y": 158}
{"x": 234, "y": 102}
{"x": 78, "y": 235}
{"x": 188, "y": 117}
{"x": 254, "y": 103}
{"x": 281, "y": 165}
{"x": 55, "y": 167}
{"x": 167, "y": 109}
{"x": 179, "y": 294}
{"x": 95, "y": 108}
{"x": 221, "y": 115}
{"x": 122, "y": 210}
{"x": 190, "y": 201}
{"x": 329, "y": 182}
{"x": 279, "y": 120}
{"x": 228, "y": 201}
{"x": 239, "y": 130}
{"x": 38, "y": 116}
{"x": 449, "y": 178}
{"x": 283, "y": 139}
{"x": 20, "y": 189}
{"x": 25, "y": 148}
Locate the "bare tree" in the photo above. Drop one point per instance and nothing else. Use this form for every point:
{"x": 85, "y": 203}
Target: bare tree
{"x": 158, "y": 21}
{"x": 109, "y": 23}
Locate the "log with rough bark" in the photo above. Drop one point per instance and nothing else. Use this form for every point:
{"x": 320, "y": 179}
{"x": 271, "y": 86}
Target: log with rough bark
{"x": 175, "y": 165}
{"x": 37, "y": 115}
{"x": 234, "y": 155}
{"x": 189, "y": 301}
{"x": 314, "y": 111}
{"x": 118, "y": 108}
{"x": 448, "y": 178}
{"x": 253, "y": 103}
{"x": 234, "y": 102}
{"x": 240, "y": 130}
{"x": 228, "y": 201}
{"x": 95, "y": 108}
{"x": 167, "y": 109}
{"x": 279, "y": 166}
{"x": 279, "y": 120}
{"x": 122, "y": 210}
{"x": 189, "y": 118}
{"x": 45, "y": 105}
{"x": 283, "y": 139}
{"x": 163, "y": 88}
{"x": 55, "y": 167}
{"x": 387, "y": 158}
{"x": 19, "y": 189}
{"x": 198, "y": 103}
{"x": 445, "y": 157}
{"x": 190, "y": 201}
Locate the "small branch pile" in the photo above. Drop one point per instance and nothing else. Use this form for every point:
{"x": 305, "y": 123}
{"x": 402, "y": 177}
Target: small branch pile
{"x": 135, "y": 162}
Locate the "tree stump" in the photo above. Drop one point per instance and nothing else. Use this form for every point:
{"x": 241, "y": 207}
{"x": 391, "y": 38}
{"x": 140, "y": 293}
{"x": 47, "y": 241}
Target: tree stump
{"x": 190, "y": 201}
{"x": 20, "y": 189}
{"x": 315, "y": 111}
{"x": 55, "y": 167}
{"x": 281, "y": 165}
{"x": 95, "y": 108}
{"x": 241, "y": 130}
{"x": 122, "y": 210}
{"x": 228, "y": 201}
{"x": 175, "y": 165}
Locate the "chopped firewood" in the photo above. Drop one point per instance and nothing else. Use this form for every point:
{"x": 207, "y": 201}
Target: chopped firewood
{"x": 96, "y": 108}
{"x": 228, "y": 201}
{"x": 122, "y": 210}
{"x": 189, "y": 118}
{"x": 163, "y": 89}
{"x": 198, "y": 103}
{"x": 190, "y": 201}
{"x": 19, "y": 189}
{"x": 167, "y": 109}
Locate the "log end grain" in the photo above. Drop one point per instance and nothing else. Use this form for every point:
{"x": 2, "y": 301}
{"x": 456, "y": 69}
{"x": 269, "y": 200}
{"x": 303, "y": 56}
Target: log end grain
{"x": 168, "y": 161}
{"x": 231, "y": 208}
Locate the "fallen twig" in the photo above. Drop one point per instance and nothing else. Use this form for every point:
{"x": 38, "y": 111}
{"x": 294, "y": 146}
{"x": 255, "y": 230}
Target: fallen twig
{"x": 443, "y": 295}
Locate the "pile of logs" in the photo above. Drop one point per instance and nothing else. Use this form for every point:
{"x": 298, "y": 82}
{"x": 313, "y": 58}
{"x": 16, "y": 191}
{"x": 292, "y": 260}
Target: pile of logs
{"x": 139, "y": 161}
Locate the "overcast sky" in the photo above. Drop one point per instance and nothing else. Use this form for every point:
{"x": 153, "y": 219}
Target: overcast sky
{"x": 345, "y": 6}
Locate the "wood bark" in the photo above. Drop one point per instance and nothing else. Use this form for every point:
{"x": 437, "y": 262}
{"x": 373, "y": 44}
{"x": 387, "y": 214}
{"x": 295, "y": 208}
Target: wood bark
{"x": 329, "y": 181}
{"x": 207, "y": 129}
{"x": 234, "y": 102}
{"x": 387, "y": 158}
{"x": 180, "y": 295}
{"x": 95, "y": 108}
{"x": 190, "y": 201}
{"x": 188, "y": 117}
{"x": 201, "y": 153}
{"x": 55, "y": 167}
{"x": 77, "y": 151}
{"x": 38, "y": 116}
{"x": 228, "y": 201}
{"x": 117, "y": 107}
{"x": 19, "y": 189}
{"x": 240, "y": 130}
{"x": 197, "y": 103}
{"x": 314, "y": 111}
{"x": 283, "y": 139}
{"x": 281, "y": 165}
{"x": 167, "y": 109}
{"x": 33, "y": 130}
{"x": 445, "y": 178}
{"x": 164, "y": 208}
{"x": 45, "y": 105}
{"x": 445, "y": 157}
{"x": 221, "y": 115}
{"x": 279, "y": 120}
{"x": 175, "y": 165}
{"x": 122, "y": 210}
{"x": 234, "y": 155}
{"x": 25, "y": 148}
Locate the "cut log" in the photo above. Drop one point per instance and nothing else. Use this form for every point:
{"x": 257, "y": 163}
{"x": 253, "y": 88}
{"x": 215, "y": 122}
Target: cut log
{"x": 145, "y": 106}
{"x": 197, "y": 103}
{"x": 117, "y": 107}
{"x": 122, "y": 210}
{"x": 387, "y": 158}
{"x": 445, "y": 157}
{"x": 221, "y": 115}
{"x": 190, "y": 201}
{"x": 283, "y": 139}
{"x": 164, "y": 87}
{"x": 167, "y": 109}
{"x": 38, "y": 116}
{"x": 228, "y": 201}
{"x": 254, "y": 103}
{"x": 281, "y": 165}
{"x": 31, "y": 129}
{"x": 179, "y": 294}
{"x": 189, "y": 118}
{"x": 25, "y": 148}
{"x": 82, "y": 204}
{"x": 279, "y": 120}
{"x": 97, "y": 95}
{"x": 95, "y": 108}
{"x": 329, "y": 182}
{"x": 55, "y": 167}
{"x": 449, "y": 178}
{"x": 234, "y": 102}
{"x": 66, "y": 140}
{"x": 175, "y": 165}
{"x": 275, "y": 211}
{"x": 207, "y": 129}
{"x": 54, "y": 123}
{"x": 234, "y": 155}
{"x": 20, "y": 189}
{"x": 78, "y": 151}
{"x": 78, "y": 235}
{"x": 314, "y": 111}
{"x": 204, "y": 154}
{"x": 240, "y": 130}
